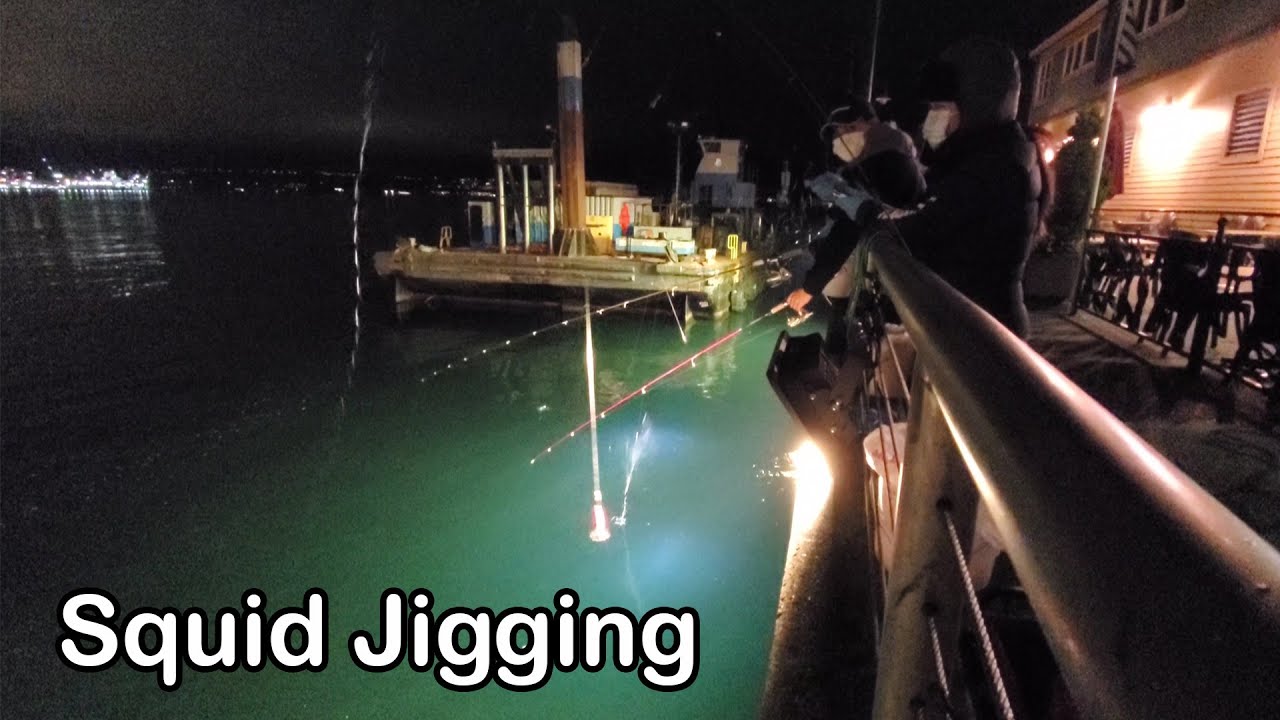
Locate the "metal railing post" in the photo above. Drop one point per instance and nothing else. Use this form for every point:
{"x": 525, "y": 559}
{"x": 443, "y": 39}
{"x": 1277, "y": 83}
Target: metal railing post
{"x": 1156, "y": 600}
{"x": 924, "y": 580}
{"x": 502, "y": 211}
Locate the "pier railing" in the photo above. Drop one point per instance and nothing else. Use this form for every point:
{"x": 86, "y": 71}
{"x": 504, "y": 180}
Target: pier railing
{"x": 1156, "y": 601}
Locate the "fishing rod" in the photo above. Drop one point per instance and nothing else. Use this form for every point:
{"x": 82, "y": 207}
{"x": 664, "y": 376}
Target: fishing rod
{"x": 687, "y": 362}
{"x": 815, "y": 105}
{"x": 467, "y": 355}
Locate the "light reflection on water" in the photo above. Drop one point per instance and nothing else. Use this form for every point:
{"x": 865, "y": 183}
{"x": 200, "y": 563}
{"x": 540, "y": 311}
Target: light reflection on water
{"x": 172, "y": 369}
{"x": 111, "y": 247}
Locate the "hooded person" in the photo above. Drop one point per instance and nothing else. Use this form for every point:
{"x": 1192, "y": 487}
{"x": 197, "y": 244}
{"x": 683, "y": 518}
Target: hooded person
{"x": 985, "y": 180}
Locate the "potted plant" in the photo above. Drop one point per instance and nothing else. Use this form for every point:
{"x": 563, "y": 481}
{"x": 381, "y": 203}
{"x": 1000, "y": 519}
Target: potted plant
{"x": 1054, "y": 264}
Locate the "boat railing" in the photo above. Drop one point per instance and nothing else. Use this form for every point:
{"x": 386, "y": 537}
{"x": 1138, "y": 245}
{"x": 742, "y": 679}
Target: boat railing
{"x": 1155, "y": 600}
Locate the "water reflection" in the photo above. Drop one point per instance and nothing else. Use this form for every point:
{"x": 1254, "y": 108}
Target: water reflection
{"x": 66, "y": 246}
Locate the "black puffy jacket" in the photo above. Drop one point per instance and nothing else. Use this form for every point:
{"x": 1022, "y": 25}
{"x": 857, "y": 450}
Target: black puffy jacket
{"x": 976, "y": 228}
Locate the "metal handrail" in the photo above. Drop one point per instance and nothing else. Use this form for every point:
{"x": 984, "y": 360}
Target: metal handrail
{"x": 1156, "y": 600}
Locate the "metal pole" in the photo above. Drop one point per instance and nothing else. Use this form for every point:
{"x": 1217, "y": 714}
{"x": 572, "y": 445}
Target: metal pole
{"x": 1185, "y": 622}
{"x": 524, "y": 169}
{"x": 1093, "y": 191}
{"x": 875, "y": 42}
{"x": 675, "y": 194}
{"x": 551, "y": 207}
{"x": 1102, "y": 152}
{"x": 502, "y": 212}
{"x": 924, "y": 580}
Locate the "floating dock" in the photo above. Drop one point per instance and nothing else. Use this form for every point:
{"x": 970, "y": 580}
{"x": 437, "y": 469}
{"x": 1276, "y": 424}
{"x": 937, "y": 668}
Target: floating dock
{"x": 566, "y": 239}
{"x": 698, "y": 287}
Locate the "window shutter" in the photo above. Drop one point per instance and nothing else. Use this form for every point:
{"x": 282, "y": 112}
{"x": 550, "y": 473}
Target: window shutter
{"x": 1247, "y": 118}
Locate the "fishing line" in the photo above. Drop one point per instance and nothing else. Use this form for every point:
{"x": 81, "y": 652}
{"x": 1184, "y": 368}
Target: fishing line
{"x": 635, "y": 452}
{"x": 467, "y": 355}
{"x": 644, "y": 389}
{"x": 679, "y": 326}
{"x": 793, "y": 76}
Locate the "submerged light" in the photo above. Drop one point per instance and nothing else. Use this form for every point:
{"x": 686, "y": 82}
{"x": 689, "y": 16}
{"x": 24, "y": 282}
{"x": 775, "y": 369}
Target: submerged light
{"x": 813, "y": 484}
{"x": 599, "y": 523}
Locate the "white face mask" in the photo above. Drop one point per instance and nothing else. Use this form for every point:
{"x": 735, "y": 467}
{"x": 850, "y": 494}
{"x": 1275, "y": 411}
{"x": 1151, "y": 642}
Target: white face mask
{"x": 849, "y": 146}
{"x": 938, "y": 123}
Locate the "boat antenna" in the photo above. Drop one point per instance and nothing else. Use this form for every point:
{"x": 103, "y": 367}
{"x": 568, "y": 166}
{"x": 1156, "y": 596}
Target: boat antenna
{"x": 875, "y": 45}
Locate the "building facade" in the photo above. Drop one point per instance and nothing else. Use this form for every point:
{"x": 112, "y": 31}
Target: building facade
{"x": 1198, "y": 110}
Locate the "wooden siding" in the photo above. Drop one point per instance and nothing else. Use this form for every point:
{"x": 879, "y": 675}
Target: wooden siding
{"x": 1206, "y": 179}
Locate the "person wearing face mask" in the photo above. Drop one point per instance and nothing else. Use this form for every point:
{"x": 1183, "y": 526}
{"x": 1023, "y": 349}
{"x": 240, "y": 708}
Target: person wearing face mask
{"x": 874, "y": 157}
{"x": 986, "y": 181}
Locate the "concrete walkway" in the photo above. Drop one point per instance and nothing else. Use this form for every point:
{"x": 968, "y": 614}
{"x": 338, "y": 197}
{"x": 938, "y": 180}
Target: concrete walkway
{"x": 1238, "y": 462}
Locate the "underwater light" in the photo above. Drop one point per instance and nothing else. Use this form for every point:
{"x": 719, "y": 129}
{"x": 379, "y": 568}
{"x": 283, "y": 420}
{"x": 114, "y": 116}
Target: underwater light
{"x": 599, "y": 523}
{"x": 813, "y": 485}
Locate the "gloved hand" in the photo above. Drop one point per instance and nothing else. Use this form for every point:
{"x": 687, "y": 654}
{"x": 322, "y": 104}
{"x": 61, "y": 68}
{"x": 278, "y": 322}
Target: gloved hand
{"x": 830, "y": 188}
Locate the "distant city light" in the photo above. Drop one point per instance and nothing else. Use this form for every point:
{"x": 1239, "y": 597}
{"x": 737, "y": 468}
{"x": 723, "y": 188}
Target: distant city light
{"x": 12, "y": 180}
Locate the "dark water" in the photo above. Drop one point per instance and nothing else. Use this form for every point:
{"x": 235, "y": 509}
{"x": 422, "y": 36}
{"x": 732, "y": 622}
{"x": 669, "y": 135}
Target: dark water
{"x": 181, "y": 422}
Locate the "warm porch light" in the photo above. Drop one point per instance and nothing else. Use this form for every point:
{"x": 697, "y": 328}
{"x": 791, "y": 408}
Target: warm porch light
{"x": 1170, "y": 132}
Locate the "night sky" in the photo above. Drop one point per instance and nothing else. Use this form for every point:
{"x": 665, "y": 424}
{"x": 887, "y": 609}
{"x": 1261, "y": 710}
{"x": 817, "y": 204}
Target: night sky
{"x": 263, "y": 84}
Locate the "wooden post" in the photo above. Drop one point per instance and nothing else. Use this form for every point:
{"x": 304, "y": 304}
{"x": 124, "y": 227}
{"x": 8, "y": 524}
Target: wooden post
{"x": 572, "y": 154}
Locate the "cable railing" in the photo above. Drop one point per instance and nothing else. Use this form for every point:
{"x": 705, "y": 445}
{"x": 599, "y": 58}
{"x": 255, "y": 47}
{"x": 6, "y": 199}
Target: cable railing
{"x": 1154, "y": 599}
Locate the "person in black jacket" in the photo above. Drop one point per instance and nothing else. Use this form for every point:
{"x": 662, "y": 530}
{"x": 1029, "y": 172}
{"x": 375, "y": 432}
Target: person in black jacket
{"x": 878, "y": 159}
{"x": 984, "y": 183}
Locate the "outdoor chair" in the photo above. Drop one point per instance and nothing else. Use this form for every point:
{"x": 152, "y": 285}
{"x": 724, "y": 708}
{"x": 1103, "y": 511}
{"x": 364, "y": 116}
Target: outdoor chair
{"x": 1257, "y": 357}
{"x": 1188, "y": 271}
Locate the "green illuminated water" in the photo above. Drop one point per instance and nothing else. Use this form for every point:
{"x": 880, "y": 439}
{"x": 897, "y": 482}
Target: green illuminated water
{"x": 180, "y": 424}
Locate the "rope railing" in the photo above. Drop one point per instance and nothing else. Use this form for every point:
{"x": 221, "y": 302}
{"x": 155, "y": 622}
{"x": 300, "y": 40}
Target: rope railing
{"x": 1154, "y": 599}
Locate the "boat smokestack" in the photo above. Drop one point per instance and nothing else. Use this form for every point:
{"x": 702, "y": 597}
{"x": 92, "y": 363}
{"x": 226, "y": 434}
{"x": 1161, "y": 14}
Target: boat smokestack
{"x": 573, "y": 177}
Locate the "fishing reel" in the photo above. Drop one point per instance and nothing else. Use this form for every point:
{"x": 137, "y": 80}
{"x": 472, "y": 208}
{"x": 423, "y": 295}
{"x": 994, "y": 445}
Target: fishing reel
{"x": 776, "y": 274}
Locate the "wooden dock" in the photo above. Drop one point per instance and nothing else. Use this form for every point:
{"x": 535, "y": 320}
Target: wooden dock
{"x": 703, "y": 288}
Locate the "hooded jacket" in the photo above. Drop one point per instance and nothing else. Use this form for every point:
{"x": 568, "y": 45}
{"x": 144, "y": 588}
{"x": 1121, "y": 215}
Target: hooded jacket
{"x": 976, "y": 228}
